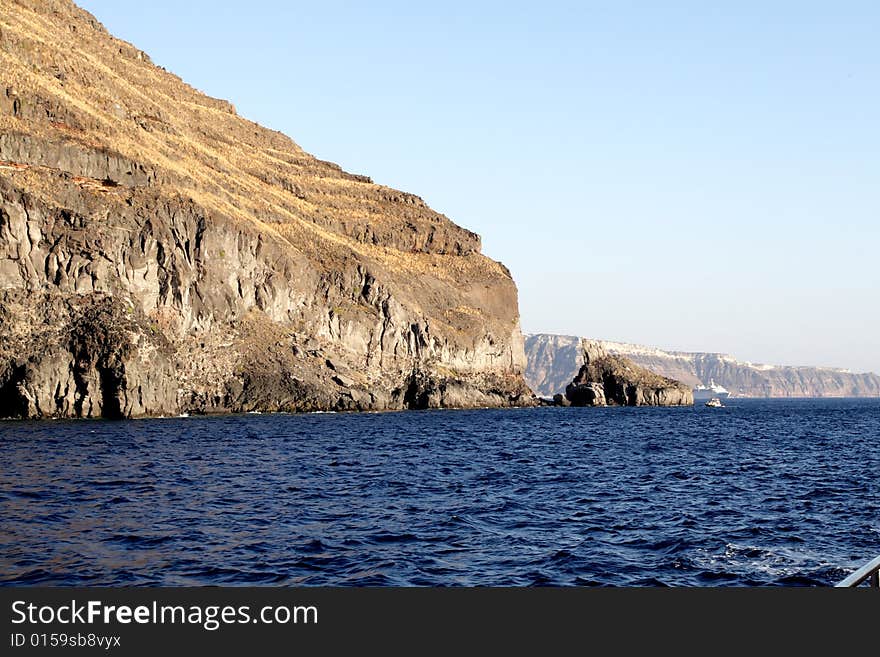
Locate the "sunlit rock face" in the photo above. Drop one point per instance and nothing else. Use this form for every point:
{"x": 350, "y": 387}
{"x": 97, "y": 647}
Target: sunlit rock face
{"x": 160, "y": 254}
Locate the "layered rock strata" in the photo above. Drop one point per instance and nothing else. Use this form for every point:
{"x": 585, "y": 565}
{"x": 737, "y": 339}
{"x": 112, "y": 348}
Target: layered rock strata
{"x": 161, "y": 255}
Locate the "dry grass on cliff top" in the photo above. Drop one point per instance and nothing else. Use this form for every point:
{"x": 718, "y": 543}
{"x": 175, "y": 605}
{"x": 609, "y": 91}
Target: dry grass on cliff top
{"x": 103, "y": 93}
{"x": 626, "y": 369}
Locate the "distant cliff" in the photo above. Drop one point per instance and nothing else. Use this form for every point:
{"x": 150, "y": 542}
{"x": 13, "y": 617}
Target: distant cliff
{"x": 160, "y": 254}
{"x": 553, "y": 360}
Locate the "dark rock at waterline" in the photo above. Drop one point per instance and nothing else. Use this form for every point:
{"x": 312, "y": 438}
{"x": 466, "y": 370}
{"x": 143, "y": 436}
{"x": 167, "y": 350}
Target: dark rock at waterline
{"x": 606, "y": 379}
{"x": 585, "y": 394}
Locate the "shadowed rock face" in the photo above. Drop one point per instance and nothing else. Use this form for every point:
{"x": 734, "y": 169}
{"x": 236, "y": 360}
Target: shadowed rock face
{"x": 159, "y": 254}
{"x": 605, "y": 379}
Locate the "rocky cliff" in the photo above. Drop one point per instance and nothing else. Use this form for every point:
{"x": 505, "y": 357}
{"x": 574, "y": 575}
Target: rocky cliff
{"x": 553, "y": 360}
{"x": 160, "y": 254}
{"x": 607, "y": 379}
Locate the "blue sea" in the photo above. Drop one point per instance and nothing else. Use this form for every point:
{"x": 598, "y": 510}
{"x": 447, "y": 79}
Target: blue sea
{"x": 757, "y": 493}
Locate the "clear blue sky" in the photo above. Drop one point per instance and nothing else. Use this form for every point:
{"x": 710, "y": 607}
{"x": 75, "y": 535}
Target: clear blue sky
{"x": 691, "y": 175}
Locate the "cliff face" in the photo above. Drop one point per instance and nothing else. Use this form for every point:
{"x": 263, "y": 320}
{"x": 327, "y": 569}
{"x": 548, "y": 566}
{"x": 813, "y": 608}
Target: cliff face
{"x": 159, "y": 254}
{"x": 552, "y": 359}
{"x": 606, "y": 379}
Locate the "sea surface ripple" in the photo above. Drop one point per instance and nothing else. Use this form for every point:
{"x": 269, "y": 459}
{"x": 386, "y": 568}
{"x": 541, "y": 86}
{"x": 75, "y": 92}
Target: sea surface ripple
{"x": 757, "y": 493}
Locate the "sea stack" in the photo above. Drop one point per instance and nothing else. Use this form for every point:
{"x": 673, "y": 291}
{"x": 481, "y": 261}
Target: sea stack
{"x": 609, "y": 380}
{"x": 160, "y": 254}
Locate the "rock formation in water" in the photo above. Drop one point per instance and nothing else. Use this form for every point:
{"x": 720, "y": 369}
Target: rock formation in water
{"x": 552, "y": 361}
{"x": 160, "y": 254}
{"x": 605, "y": 379}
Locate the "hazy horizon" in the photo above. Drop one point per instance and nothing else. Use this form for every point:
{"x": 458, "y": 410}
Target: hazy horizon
{"x": 690, "y": 177}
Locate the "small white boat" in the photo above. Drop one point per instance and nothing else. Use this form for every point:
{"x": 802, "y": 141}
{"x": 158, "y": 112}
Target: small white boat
{"x": 715, "y": 403}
